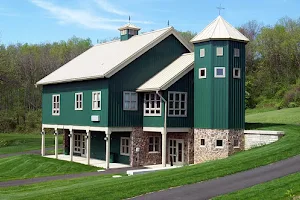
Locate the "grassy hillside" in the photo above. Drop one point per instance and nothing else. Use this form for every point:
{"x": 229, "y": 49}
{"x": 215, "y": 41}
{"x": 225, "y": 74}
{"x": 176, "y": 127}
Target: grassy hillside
{"x": 284, "y": 116}
{"x": 13, "y": 143}
{"x": 125, "y": 187}
{"x": 30, "y": 166}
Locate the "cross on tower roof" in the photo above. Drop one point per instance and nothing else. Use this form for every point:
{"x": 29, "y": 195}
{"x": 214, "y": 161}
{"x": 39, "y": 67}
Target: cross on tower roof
{"x": 220, "y": 8}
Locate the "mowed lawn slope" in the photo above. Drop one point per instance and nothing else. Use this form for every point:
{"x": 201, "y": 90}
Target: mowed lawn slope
{"x": 13, "y": 143}
{"x": 125, "y": 187}
{"x": 30, "y": 166}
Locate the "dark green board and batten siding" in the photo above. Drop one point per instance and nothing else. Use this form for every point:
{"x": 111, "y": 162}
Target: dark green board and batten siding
{"x": 219, "y": 102}
{"x": 68, "y": 114}
{"x": 134, "y": 75}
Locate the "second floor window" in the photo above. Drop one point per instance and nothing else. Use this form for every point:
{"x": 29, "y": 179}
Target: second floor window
{"x": 152, "y": 104}
{"x": 177, "y": 104}
{"x": 96, "y": 98}
{"x": 55, "y": 104}
{"x": 130, "y": 101}
{"x": 79, "y": 101}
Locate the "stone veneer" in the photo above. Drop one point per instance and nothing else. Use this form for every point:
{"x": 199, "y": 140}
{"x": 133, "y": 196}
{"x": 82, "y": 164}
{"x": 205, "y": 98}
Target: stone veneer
{"x": 209, "y": 151}
{"x": 140, "y": 139}
{"x": 66, "y": 141}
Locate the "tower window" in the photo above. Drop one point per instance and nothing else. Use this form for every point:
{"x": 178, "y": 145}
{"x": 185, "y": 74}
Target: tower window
{"x": 219, "y": 72}
{"x": 219, "y": 51}
{"x": 124, "y": 32}
{"x": 236, "y": 73}
{"x": 219, "y": 144}
{"x": 236, "y": 52}
{"x": 202, "y": 142}
{"x": 202, "y": 53}
{"x": 202, "y": 73}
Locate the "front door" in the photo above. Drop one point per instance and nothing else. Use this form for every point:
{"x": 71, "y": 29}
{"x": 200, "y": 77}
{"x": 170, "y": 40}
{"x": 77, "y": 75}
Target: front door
{"x": 176, "y": 151}
{"x": 79, "y": 144}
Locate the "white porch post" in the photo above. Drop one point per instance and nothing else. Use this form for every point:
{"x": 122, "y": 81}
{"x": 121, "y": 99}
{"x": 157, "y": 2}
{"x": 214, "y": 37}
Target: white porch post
{"x": 107, "y": 148}
{"x": 71, "y": 144}
{"x": 164, "y": 148}
{"x": 56, "y": 143}
{"x": 43, "y": 150}
{"x": 88, "y": 146}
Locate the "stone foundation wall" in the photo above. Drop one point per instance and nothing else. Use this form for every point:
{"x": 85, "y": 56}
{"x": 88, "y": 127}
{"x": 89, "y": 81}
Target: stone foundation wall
{"x": 210, "y": 151}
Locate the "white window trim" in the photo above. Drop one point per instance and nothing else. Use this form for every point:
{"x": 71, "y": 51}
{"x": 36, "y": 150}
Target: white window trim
{"x": 220, "y": 76}
{"x": 218, "y": 54}
{"x": 220, "y": 147}
{"x": 238, "y": 146}
{"x": 130, "y": 100}
{"x": 155, "y": 105}
{"x": 185, "y": 104}
{"x": 204, "y": 142}
{"x": 154, "y": 150}
{"x": 79, "y": 93}
{"x": 236, "y": 52}
{"x": 239, "y": 70}
{"x": 202, "y": 77}
{"x": 202, "y": 53}
{"x": 95, "y": 92}
{"x": 55, "y": 114}
{"x": 122, "y": 153}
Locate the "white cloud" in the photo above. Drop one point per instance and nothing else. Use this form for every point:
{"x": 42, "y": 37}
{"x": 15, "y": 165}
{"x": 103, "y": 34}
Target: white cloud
{"x": 110, "y": 8}
{"x": 82, "y": 17}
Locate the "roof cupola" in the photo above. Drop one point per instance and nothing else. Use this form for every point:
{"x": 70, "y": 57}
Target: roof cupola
{"x": 128, "y": 30}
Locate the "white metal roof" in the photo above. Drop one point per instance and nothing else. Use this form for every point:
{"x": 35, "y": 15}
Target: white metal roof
{"x": 129, "y": 26}
{"x": 170, "y": 74}
{"x": 219, "y": 29}
{"x": 104, "y": 60}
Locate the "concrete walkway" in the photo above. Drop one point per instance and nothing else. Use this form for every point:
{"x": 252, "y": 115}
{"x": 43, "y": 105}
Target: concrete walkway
{"x": 62, "y": 177}
{"x": 227, "y": 184}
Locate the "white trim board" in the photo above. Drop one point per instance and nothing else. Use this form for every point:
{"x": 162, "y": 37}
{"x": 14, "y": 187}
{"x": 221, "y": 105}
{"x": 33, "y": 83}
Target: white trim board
{"x": 88, "y": 128}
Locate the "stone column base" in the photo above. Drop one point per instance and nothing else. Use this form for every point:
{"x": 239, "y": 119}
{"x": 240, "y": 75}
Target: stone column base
{"x": 66, "y": 141}
{"x": 210, "y": 150}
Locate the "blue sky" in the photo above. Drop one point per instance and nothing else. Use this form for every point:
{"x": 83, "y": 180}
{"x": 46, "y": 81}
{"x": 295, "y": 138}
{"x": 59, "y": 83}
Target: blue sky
{"x": 36, "y": 21}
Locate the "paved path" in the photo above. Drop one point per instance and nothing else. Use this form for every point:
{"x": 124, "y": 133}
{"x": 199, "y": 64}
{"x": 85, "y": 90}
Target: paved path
{"x": 62, "y": 177}
{"x": 231, "y": 183}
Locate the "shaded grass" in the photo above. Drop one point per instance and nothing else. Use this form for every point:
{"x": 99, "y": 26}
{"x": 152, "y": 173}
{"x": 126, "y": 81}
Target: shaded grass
{"x": 284, "y": 116}
{"x": 281, "y": 188}
{"x": 14, "y": 143}
{"x": 109, "y": 188}
{"x": 30, "y": 166}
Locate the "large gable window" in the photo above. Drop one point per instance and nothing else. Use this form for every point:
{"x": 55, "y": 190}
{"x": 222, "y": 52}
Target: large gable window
{"x": 130, "y": 101}
{"x": 177, "y": 102}
{"x": 96, "y": 100}
{"x": 79, "y": 101}
{"x": 152, "y": 105}
{"x": 55, "y": 104}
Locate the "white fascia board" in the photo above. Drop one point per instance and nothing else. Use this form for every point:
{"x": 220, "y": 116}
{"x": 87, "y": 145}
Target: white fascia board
{"x": 70, "y": 80}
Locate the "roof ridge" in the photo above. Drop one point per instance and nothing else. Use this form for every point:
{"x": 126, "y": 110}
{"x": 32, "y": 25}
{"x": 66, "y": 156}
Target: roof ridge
{"x": 225, "y": 22}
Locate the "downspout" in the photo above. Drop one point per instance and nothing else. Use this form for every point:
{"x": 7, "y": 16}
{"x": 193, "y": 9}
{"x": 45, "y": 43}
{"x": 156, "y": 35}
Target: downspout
{"x": 164, "y": 134}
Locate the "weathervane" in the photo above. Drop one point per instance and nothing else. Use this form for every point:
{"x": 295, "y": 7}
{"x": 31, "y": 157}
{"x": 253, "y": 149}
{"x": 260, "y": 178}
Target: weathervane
{"x": 129, "y": 19}
{"x": 168, "y": 23}
{"x": 220, "y": 8}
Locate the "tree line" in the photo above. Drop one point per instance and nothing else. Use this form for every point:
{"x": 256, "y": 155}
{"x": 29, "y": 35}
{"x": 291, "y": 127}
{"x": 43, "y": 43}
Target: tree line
{"x": 272, "y": 71}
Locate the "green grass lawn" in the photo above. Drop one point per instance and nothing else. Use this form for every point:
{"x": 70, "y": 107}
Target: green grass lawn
{"x": 105, "y": 187}
{"x": 284, "y": 116}
{"x": 287, "y": 187}
{"x": 30, "y": 166}
{"x": 13, "y": 143}
{"x": 125, "y": 187}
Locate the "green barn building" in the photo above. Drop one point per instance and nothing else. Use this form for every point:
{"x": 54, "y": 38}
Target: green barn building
{"x": 151, "y": 98}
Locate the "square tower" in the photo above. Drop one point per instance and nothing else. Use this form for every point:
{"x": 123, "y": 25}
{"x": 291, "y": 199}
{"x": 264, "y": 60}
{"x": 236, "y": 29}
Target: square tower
{"x": 219, "y": 91}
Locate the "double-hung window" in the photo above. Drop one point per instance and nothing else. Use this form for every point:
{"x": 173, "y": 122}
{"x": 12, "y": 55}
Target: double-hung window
{"x": 130, "y": 101}
{"x": 177, "y": 102}
{"x": 153, "y": 144}
{"x": 55, "y": 104}
{"x": 125, "y": 146}
{"x": 96, "y": 100}
{"x": 79, "y": 101}
{"x": 152, "y": 104}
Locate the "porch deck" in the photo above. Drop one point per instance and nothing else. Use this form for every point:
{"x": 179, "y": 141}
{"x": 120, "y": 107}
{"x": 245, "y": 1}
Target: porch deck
{"x": 93, "y": 162}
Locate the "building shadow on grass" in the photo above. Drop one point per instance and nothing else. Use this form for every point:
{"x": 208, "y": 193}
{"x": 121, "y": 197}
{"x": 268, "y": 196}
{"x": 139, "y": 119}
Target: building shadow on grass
{"x": 250, "y": 126}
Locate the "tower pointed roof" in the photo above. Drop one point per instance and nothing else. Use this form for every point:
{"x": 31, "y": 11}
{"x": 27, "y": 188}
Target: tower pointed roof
{"x": 219, "y": 29}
